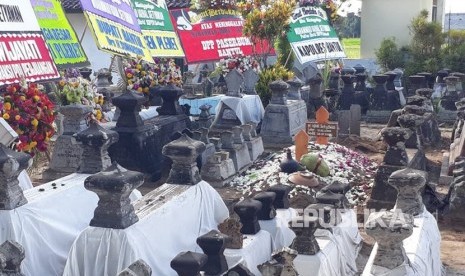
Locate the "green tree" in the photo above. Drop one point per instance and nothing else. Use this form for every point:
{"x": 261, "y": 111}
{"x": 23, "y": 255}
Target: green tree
{"x": 389, "y": 56}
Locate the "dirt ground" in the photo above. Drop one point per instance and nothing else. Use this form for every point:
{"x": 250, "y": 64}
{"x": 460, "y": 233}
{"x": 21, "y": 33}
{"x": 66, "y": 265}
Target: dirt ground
{"x": 453, "y": 236}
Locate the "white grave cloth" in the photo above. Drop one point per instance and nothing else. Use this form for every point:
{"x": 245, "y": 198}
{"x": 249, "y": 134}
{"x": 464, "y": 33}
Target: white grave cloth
{"x": 197, "y": 103}
{"x": 338, "y": 250}
{"x": 249, "y": 108}
{"x": 48, "y": 224}
{"x": 24, "y": 181}
{"x": 422, "y": 249}
{"x": 281, "y": 235}
{"x": 255, "y": 250}
{"x": 158, "y": 236}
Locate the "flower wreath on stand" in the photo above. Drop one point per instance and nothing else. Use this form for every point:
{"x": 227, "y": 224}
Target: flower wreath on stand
{"x": 30, "y": 113}
{"x": 241, "y": 63}
{"x": 74, "y": 89}
{"x": 167, "y": 72}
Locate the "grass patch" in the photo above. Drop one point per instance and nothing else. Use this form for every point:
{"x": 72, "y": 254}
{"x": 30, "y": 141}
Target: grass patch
{"x": 351, "y": 47}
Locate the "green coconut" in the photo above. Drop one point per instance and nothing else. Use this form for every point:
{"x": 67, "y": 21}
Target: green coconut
{"x": 315, "y": 164}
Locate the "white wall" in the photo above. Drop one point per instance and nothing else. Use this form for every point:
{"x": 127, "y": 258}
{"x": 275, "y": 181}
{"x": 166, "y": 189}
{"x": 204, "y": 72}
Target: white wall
{"x": 388, "y": 18}
{"x": 98, "y": 59}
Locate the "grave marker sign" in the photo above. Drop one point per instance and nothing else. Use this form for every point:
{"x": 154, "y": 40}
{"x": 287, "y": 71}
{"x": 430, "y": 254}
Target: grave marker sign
{"x": 301, "y": 144}
{"x": 322, "y": 128}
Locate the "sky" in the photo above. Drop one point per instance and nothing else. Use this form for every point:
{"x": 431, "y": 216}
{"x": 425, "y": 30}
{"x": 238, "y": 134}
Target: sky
{"x": 455, "y": 6}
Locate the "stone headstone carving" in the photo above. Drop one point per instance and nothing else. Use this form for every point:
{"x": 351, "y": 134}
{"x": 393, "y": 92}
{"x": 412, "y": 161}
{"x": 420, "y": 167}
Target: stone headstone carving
{"x": 129, "y": 103}
{"x": 326, "y": 196}
{"x": 11, "y": 163}
{"x": 429, "y": 79}
{"x": 391, "y": 76}
{"x": 416, "y": 82}
{"x": 379, "y": 110}
{"x": 250, "y": 80}
{"x": 355, "y": 117}
{"x": 238, "y": 152}
{"x": 254, "y": 143}
{"x": 67, "y": 152}
{"x": 380, "y": 92}
{"x": 395, "y": 138}
{"x": 113, "y": 187}
{"x": 326, "y": 213}
{"x": 398, "y": 80}
{"x": 11, "y": 256}
{"x": 343, "y": 123}
{"x": 138, "y": 268}
{"x": 188, "y": 85}
{"x": 104, "y": 77}
{"x": 408, "y": 183}
{"x": 234, "y": 81}
{"x": 271, "y": 268}
{"x": 218, "y": 169}
{"x": 184, "y": 152}
{"x": 205, "y": 118}
{"x": 347, "y": 95}
{"x": 282, "y": 195}
{"x": 315, "y": 97}
{"x": 267, "y": 212}
{"x": 286, "y": 257}
{"x": 283, "y": 119}
{"x": 189, "y": 263}
{"x": 389, "y": 229}
{"x": 305, "y": 242}
{"x": 232, "y": 228}
{"x": 95, "y": 142}
{"x": 213, "y": 245}
{"x": 413, "y": 122}
{"x": 294, "y": 89}
{"x": 239, "y": 270}
{"x": 247, "y": 210}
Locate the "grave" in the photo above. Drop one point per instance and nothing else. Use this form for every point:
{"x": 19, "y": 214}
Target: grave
{"x": 67, "y": 152}
{"x": 219, "y": 169}
{"x": 379, "y": 112}
{"x": 448, "y": 110}
{"x": 322, "y": 129}
{"x": 347, "y": 94}
{"x": 252, "y": 140}
{"x": 233, "y": 143}
{"x": 416, "y": 82}
{"x": 209, "y": 146}
{"x": 140, "y": 142}
{"x": 205, "y": 118}
{"x": 315, "y": 96}
{"x": 138, "y": 268}
{"x": 440, "y": 84}
{"x": 283, "y": 118}
{"x": 250, "y": 80}
{"x": 189, "y": 210}
{"x": 234, "y": 83}
{"x": 188, "y": 263}
{"x": 295, "y": 84}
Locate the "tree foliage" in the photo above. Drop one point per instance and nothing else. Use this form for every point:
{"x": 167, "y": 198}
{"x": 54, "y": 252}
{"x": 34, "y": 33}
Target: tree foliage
{"x": 389, "y": 56}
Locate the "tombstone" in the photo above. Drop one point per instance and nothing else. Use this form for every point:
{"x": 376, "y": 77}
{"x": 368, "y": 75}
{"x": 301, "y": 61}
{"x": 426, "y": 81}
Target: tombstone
{"x": 12, "y": 164}
{"x": 326, "y": 213}
{"x": 391, "y": 76}
{"x": 11, "y": 256}
{"x": 67, "y": 152}
{"x": 232, "y": 228}
{"x": 355, "y": 118}
{"x": 344, "y": 123}
{"x": 412, "y": 122}
{"x": 322, "y": 117}
{"x": 328, "y": 197}
{"x": 247, "y": 210}
{"x": 334, "y": 81}
{"x": 188, "y": 86}
{"x": 429, "y": 79}
{"x": 305, "y": 242}
{"x": 238, "y": 151}
{"x": 380, "y": 93}
{"x": 239, "y": 270}
{"x": 234, "y": 80}
{"x": 113, "y": 187}
{"x": 140, "y": 142}
{"x": 301, "y": 144}
{"x": 347, "y": 94}
{"x": 459, "y": 85}
{"x": 213, "y": 245}
{"x": 361, "y": 76}
{"x": 456, "y": 196}
{"x": 209, "y": 146}
{"x": 219, "y": 169}
{"x": 189, "y": 263}
{"x": 95, "y": 142}
{"x": 271, "y": 268}
{"x": 449, "y": 97}
{"x": 283, "y": 119}
{"x": 267, "y": 212}
{"x": 389, "y": 229}
{"x": 282, "y": 195}
{"x": 254, "y": 144}
{"x": 138, "y": 268}
{"x": 408, "y": 183}
{"x": 205, "y": 118}
{"x": 286, "y": 257}
{"x": 416, "y": 82}
{"x": 384, "y": 195}
{"x": 184, "y": 152}
{"x": 315, "y": 96}
{"x": 295, "y": 84}
{"x": 250, "y": 80}
{"x": 104, "y": 78}
{"x": 332, "y": 99}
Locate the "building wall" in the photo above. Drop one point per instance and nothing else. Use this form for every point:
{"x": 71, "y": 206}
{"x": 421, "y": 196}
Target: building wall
{"x": 382, "y": 19}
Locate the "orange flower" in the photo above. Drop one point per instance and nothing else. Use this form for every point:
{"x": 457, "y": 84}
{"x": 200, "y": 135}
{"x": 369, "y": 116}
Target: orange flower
{"x": 7, "y": 106}
{"x": 17, "y": 117}
{"x": 34, "y": 122}
{"x": 6, "y": 116}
